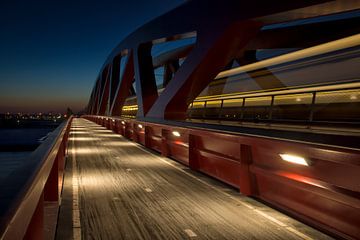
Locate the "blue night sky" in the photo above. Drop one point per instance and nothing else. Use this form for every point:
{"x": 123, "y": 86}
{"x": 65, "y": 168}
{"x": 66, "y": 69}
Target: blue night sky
{"x": 51, "y": 51}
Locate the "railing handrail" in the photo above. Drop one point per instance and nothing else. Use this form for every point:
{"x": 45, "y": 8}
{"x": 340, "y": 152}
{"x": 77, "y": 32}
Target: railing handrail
{"x": 22, "y": 203}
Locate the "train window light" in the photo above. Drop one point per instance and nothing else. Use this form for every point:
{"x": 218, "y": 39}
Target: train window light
{"x": 258, "y": 101}
{"x": 341, "y": 96}
{"x": 304, "y": 98}
{"x": 214, "y": 103}
{"x": 198, "y": 104}
{"x": 233, "y": 102}
{"x": 294, "y": 159}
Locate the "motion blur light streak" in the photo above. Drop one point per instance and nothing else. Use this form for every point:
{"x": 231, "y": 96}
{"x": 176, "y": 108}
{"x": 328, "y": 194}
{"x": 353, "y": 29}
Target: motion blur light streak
{"x": 308, "y": 52}
{"x": 303, "y": 179}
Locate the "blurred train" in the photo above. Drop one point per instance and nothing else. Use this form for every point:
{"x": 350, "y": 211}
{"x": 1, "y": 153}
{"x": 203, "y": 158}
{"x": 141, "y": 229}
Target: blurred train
{"x": 319, "y": 85}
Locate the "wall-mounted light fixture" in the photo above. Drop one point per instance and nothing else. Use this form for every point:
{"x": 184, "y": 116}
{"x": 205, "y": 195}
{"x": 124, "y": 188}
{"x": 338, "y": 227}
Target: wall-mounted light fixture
{"x": 176, "y": 133}
{"x": 294, "y": 159}
{"x": 113, "y": 120}
{"x": 123, "y": 122}
{"x": 140, "y": 126}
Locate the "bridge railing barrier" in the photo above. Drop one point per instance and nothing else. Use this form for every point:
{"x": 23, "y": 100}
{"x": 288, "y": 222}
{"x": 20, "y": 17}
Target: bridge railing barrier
{"x": 316, "y": 183}
{"x": 29, "y": 197}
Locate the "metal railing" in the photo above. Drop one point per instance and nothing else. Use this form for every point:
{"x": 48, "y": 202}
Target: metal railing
{"x": 38, "y": 181}
{"x": 255, "y": 165}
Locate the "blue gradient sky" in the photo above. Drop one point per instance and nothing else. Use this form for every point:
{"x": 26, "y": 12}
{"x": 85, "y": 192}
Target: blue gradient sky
{"x": 51, "y": 51}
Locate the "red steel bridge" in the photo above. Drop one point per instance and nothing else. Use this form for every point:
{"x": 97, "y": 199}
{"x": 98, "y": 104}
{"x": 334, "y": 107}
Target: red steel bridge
{"x": 217, "y": 120}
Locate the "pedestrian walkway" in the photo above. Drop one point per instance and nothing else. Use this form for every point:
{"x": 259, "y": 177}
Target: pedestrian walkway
{"x": 116, "y": 189}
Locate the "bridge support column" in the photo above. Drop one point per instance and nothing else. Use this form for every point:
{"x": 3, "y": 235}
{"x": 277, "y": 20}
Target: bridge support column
{"x": 215, "y": 49}
{"x": 146, "y": 89}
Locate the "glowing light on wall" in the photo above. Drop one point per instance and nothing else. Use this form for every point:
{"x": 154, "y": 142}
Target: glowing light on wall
{"x": 176, "y": 133}
{"x": 140, "y": 126}
{"x": 123, "y": 122}
{"x": 294, "y": 159}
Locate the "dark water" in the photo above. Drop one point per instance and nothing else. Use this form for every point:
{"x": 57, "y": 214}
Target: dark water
{"x": 10, "y": 161}
{"x": 22, "y": 139}
{"x": 16, "y": 144}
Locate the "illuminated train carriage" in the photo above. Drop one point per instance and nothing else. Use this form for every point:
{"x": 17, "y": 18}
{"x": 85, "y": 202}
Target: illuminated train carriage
{"x": 309, "y": 87}
{"x": 321, "y": 87}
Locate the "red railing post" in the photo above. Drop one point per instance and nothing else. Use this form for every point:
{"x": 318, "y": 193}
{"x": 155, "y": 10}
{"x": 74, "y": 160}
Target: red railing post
{"x": 193, "y": 158}
{"x": 61, "y": 163}
{"x": 134, "y": 135}
{"x": 124, "y": 129}
{"x": 51, "y": 189}
{"x": 164, "y": 146}
{"x": 247, "y": 181}
{"x": 35, "y": 229}
{"x": 147, "y": 136}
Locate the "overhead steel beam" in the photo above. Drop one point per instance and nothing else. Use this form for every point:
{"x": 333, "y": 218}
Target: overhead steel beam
{"x": 146, "y": 89}
{"x": 173, "y": 101}
{"x": 124, "y": 84}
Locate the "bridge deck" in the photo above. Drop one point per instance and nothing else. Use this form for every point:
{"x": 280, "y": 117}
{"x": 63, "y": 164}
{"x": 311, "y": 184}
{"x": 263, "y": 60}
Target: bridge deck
{"x": 116, "y": 189}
